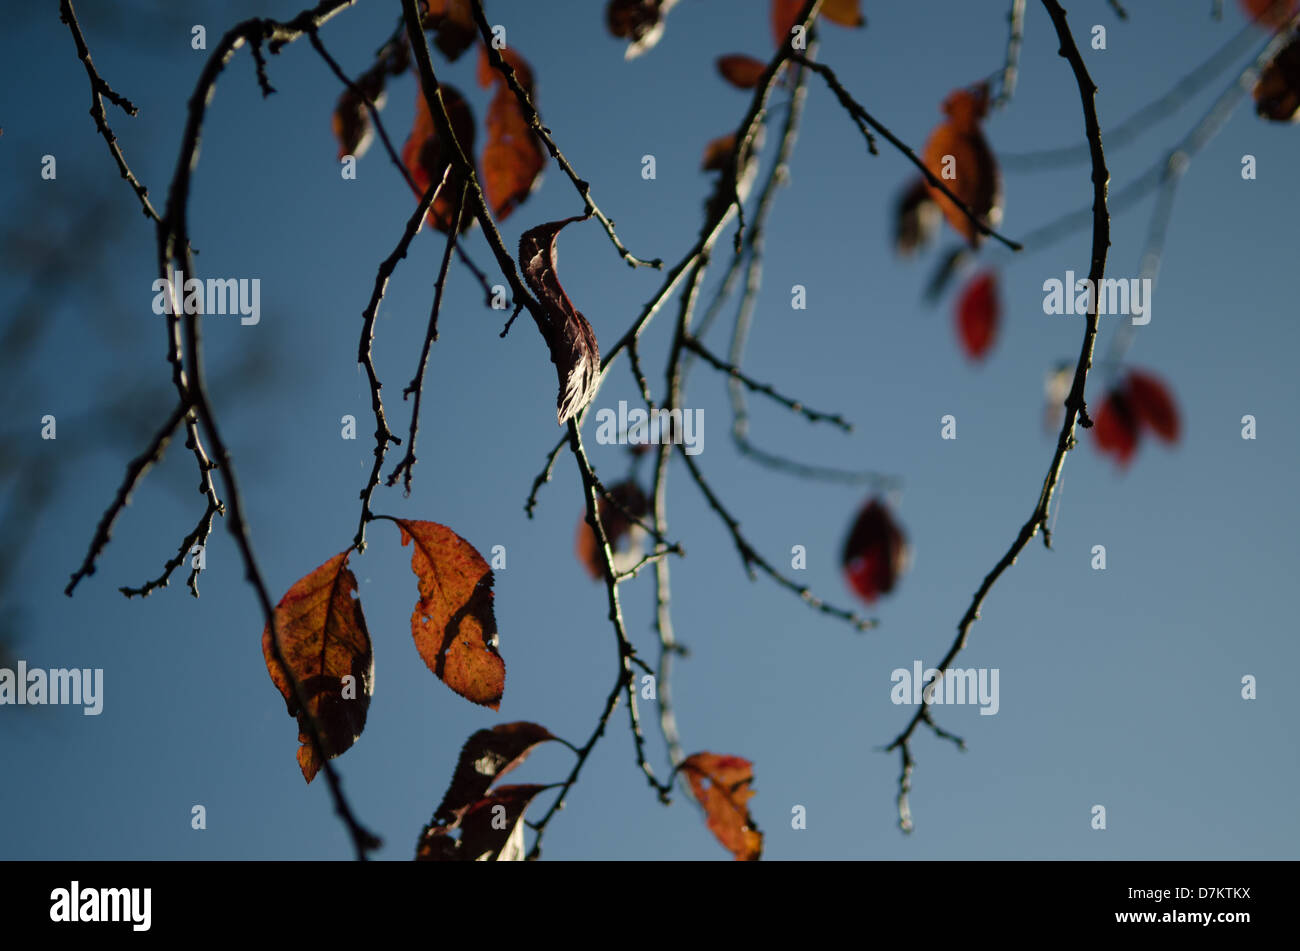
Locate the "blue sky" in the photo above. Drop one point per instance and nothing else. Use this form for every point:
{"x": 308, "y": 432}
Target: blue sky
{"x": 1119, "y": 687}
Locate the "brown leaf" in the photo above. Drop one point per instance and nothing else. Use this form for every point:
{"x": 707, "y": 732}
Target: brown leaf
{"x": 486, "y": 756}
{"x": 453, "y": 24}
{"x": 721, "y": 784}
{"x": 1277, "y": 91}
{"x": 351, "y": 119}
{"x": 630, "y": 499}
{"x": 717, "y": 154}
{"x": 741, "y": 71}
{"x": 323, "y": 639}
{"x": 568, "y": 335}
{"x": 957, "y": 155}
{"x": 491, "y": 830}
{"x": 427, "y": 160}
{"x": 453, "y": 624}
{"x": 639, "y": 21}
{"x": 512, "y": 157}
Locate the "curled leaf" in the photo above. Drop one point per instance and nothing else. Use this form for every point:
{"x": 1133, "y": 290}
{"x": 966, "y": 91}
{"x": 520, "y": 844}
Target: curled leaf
{"x": 491, "y": 829}
{"x": 452, "y": 23}
{"x": 453, "y": 623}
{"x": 351, "y": 119}
{"x": 723, "y": 787}
{"x": 1277, "y": 91}
{"x": 641, "y": 22}
{"x": 569, "y": 337}
{"x": 957, "y": 155}
{"x": 741, "y": 71}
{"x": 978, "y": 312}
{"x": 324, "y": 642}
{"x": 426, "y": 158}
{"x": 916, "y": 218}
{"x": 625, "y": 536}
{"x": 486, "y": 756}
{"x": 512, "y": 156}
{"x": 875, "y": 553}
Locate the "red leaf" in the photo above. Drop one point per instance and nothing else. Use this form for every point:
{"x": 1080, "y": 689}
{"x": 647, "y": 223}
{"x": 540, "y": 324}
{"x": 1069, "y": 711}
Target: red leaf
{"x": 323, "y": 639}
{"x": 486, "y": 756}
{"x": 1116, "y": 428}
{"x": 916, "y": 217}
{"x": 427, "y": 160}
{"x": 639, "y": 21}
{"x": 1152, "y": 405}
{"x": 453, "y": 24}
{"x": 978, "y": 313}
{"x": 512, "y": 157}
{"x": 633, "y": 500}
{"x": 491, "y": 830}
{"x": 1269, "y": 13}
{"x": 957, "y": 155}
{"x": 741, "y": 71}
{"x": 1277, "y": 92}
{"x": 875, "y": 553}
{"x": 453, "y": 624}
{"x": 722, "y": 786}
{"x": 569, "y": 337}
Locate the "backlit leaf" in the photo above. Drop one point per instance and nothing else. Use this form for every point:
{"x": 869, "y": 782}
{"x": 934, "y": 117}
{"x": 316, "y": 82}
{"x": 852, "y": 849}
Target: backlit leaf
{"x": 1153, "y": 405}
{"x": 569, "y": 337}
{"x": 875, "y": 553}
{"x": 723, "y": 787}
{"x": 427, "y": 160}
{"x": 323, "y": 640}
{"x": 957, "y": 155}
{"x": 512, "y": 158}
{"x": 1115, "y": 428}
{"x": 978, "y": 313}
{"x": 453, "y": 624}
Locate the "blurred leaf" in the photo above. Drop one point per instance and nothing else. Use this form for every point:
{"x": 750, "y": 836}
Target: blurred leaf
{"x": 875, "y": 553}
{"x": 978, "y": 313}
{"x": 741, "y": 71}
{"x": 957, "y": 155}
{"x": 427, "y": 160}
{"x": 513, "y": 158}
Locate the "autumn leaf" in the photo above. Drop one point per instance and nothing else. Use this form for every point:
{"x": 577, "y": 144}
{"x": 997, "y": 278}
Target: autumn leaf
{"x": 722, "y": 786}
{"x": 486, "y": 756}
{"x": 916, "y": 218}
{"x": 453, "y": 624}
{"x": 512, "y": 157}
{"x": 978, "y": 313}
{"x": 1270, "y": 14}
{"x": 1115, "y": 428}
{"x": 427, "y": 160}
{"x": 741, "y": 71}
{"x": 324, "y": 641}
{"x": 875, "y": 553}
{"x": 957, "y": 155}
{"x": 452, "y": 22}
{"x": 1153, "y": 405}
{"x": 569, "y": 337}
{"x": 629, "y": 499}
{"x": 491, "y": 829}
{"x": 785, "y": 14}
{"x": 351, "y": 119}
{"x": 1277, "y": 91}
{"x": 641, "y": 22}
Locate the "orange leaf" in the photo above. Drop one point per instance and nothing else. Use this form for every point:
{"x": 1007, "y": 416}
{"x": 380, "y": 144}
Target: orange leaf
{"x": 721, "y": 784}
{"x": 427, "y": 160}
{"x": 1269, "y": 13}
{"x": 486, "y": 756}
{"x": 957, "y": 155}
{"x": 453, "y": 23}
{"x": 568, "y": 335}
{"x": 978, "y": 312}
{"x": 512, "y": 157}
{"x": 453, "y": 625}
{"x": 741, "y": 71}
{"x": 844, "y": 12}
{"x": 323, "y": 639}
